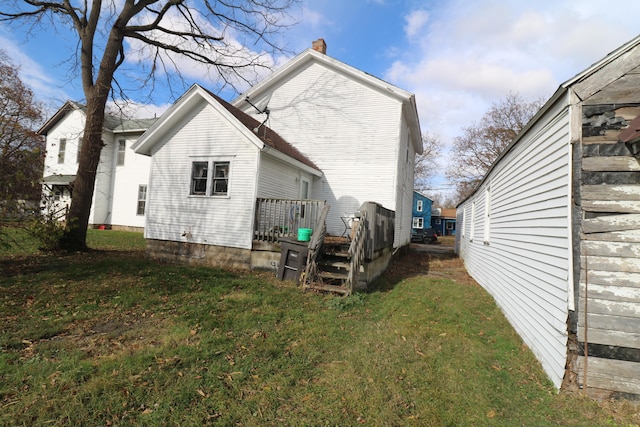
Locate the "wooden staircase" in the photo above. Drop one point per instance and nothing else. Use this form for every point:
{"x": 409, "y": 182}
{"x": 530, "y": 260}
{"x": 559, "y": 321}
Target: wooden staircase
{"x": 334, "y": 263}
{"x": 333, "y": 266}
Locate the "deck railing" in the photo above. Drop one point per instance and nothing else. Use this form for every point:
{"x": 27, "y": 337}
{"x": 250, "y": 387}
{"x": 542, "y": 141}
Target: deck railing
{"x": 278, "y": 218}
{"x": 380, "y": 228}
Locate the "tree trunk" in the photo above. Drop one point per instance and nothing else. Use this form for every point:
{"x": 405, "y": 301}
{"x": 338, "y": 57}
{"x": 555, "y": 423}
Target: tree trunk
{"x": 75, "y": 238}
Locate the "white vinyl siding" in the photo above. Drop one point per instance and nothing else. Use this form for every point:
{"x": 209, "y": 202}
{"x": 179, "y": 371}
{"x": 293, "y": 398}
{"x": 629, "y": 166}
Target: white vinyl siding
{"x": 172, "y": 214}
{"x": 527, "y": 265}
{"x": 278, "y": 180}
{"x": 136, "y": 169}
{"x": 351, "y": 131}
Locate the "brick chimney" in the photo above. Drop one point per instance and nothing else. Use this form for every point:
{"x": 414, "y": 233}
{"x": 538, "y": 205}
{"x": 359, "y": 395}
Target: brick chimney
{"x": 320, "y": 46}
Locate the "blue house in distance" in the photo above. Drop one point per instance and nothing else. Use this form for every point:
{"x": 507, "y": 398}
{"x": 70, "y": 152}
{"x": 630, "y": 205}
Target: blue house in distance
{"x": 421, "y": 211}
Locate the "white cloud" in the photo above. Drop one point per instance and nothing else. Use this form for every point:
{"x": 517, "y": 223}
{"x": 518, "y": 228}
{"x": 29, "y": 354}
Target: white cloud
{"x": 32, "y": 73}
{"x": 138, "y": 110}
{"x": 416, "y": 22}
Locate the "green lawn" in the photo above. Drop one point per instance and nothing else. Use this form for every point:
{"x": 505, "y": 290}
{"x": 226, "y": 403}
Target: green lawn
{"x": 109, "y": 338}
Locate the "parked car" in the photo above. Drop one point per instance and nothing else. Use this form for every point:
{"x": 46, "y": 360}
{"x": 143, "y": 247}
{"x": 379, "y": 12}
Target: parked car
{"x": 426, "y": 235}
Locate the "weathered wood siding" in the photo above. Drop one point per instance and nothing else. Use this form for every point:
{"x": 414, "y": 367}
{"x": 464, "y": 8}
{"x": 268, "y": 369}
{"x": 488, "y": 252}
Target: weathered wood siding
{"x": 515, "y": 238}
{"x": 608, "y": 326}
{"x": 350, "y": 130}
{"x": 175, "y": 215}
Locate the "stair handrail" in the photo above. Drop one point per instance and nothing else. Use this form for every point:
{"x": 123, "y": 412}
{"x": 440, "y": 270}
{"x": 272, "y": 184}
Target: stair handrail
{"x": 357, "y": 250}
{"x": 315, "y": 245}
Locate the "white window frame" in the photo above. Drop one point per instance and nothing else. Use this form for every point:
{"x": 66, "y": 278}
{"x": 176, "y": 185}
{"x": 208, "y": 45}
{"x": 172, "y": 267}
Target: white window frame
{"x": 62, "y": 149}
{"x": 418, "y": 222}
{"x": 487, "y": 214}
{"x": 473, "y": 221}
{"x": 142, "y": 200}
{"x": 121, "y": 152}
{"x": 305, "y": 182}
{"x": 419, "y": 205}
{"x": 217, "y": 165}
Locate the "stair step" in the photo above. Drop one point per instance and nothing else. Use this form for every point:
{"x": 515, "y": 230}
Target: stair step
{"x": 328, "y": 288}
{"x": 335, "y": 263}
{"x": 333, "y": 275}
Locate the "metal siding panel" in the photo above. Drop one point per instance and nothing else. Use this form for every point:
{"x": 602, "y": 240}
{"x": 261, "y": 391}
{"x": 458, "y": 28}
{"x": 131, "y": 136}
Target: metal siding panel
{"x": 526, "y": 264}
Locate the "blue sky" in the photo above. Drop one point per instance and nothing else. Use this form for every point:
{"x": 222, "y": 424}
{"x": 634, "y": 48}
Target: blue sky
{"x": 457, "y": 56}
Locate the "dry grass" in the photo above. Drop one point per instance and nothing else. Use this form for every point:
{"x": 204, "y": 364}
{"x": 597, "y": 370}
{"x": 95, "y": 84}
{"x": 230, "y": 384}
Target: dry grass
{"x": 108, "y": 338}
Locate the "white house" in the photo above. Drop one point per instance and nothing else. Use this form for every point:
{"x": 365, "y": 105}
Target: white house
{"x": 120, "y": 193}
{"x": 552, "y": 231}
{"x": 209, "y": 164}
{"x": 321, "y": 130}
{"x": 362, "y": 132}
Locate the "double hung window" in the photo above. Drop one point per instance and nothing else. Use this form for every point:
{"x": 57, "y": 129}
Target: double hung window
{"x": 142, "y": 199}
{"x": 62, "y": 148}
{"x": 122, "y": 147}
{"x": 204, "y": 183}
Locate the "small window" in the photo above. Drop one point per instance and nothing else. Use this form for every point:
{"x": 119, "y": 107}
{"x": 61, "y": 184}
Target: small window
{"x": 472, "y": 232}
{"x": 142, "y": 199}
{"x": 487, "y": 214}
{"x": 438, "y": 221}
{"x": 79, "y": 149}
{"x": 213, "y": 184}
{"x": 122, "y": 145}
{"x": 304, "y": 189}
{"x": 220, "y": 178}
{"x": 62, "y": 147}
{"x": 199, "y": 178}
{"x": 419, "y": 205}
{"x": 418, "y": 222}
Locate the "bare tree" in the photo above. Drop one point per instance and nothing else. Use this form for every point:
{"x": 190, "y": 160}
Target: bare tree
{"x": 425, "y": 163}
{"x": 210, "y": 32}
{"x": 21, "y": 149}
{"x": 482, "y": 142}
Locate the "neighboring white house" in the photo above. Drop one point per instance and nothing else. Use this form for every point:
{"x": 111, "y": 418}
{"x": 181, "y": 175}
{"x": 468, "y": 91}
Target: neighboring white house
{"x": 362, "y": 132}
{"x": 322, "y": 130}
{"x": 552, "y": 231}
{"x": 122, "y": 178}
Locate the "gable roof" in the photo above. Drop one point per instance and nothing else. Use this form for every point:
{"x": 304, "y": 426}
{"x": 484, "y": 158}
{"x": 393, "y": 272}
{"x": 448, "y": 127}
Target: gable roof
{"x": 111, "y": 123}
{"x": 308, "y": 56}
{"x": 59, "y": 115}
{"x": 258, "y": 133}
{"x": 421, "y": 195}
